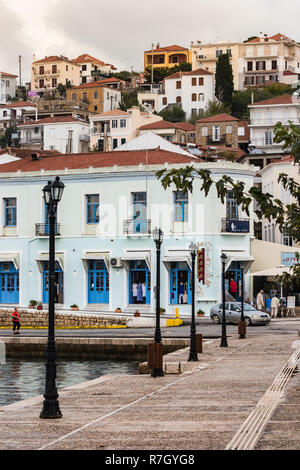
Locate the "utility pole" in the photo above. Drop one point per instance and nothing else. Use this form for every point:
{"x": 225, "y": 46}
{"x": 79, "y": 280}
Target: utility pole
{"x": 152, "y": 64}
{"x": 20, "y": 70}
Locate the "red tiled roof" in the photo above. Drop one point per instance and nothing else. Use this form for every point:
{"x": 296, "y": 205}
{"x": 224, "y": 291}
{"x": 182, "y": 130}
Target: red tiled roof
{"x": 219, "y": 149}
{"x": 4, "y": 74}
{"x": 168, "y": 49}
{"x": 54, "y": 58}
{"x": 98, "y": 83}
{"x": 276, "y": 37}
{"x": 218, "y": 118}
{"x": 287, "y": 158}
{"x": 23, "y": 153}
{"x": 282, "y": 99}
{"x": 86, "y": 58}
{"x": 158, "y": 125}
{"x": 97, "y": 160}
{"x": 185, "y": 126}
{"x": 191, "y": 73}
{"x": 18, "y": 104}
{"x": 52, "y": 119}
{"x": 288, "y": 72}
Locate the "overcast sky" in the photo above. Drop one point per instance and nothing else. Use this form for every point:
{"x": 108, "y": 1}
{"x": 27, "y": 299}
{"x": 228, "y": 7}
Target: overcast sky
{"x": 119, "y": 31}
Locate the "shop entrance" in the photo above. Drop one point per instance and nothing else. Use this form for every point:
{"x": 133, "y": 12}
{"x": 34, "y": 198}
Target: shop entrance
{"x": 234, "y": 273}
{"x": 58, "y": 286}
{"x": 180, "y": 283}
{"x": 98, "y": 283}
{"x": 139, "y": 288}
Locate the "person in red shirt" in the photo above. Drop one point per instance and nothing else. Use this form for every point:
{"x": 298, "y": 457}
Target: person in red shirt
{"x": 233, "y": 287}
{"x": 16, "y": 322}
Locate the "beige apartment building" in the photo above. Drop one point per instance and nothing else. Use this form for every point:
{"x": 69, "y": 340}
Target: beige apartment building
{"x": 205, "y": 56}
{"x": 257, "y": 62}
{"x": 48, "y": 73}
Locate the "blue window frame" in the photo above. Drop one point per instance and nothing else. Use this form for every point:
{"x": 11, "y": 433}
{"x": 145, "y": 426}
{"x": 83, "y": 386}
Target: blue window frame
{"x": 181, "y": 202}
{"x": 92, "y": 209}
{"x": 10, "y": 211}
{"x": 58, "y": 287}
{"x": 231, "y": 206}
{"x": 139, "y": 203}
{"x": 9, "y": 283}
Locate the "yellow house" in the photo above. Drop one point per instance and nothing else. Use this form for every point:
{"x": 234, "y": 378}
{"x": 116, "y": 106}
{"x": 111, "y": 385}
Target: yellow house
{"x": 101, "y": 96}
{"x": 48, "y": 73}
{"x": 166, "y": 56}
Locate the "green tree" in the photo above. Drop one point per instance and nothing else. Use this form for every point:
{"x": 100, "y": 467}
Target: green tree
{"x": 173, "y": 114}
{"x": 285, "y": 216}
{"x": 224, "y": 86}
{"x": 160, "y": 73}
{"x": 129, "y": 99}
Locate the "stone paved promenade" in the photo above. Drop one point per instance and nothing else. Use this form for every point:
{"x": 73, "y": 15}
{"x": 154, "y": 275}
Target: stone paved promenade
{"x": 195, "y": 410}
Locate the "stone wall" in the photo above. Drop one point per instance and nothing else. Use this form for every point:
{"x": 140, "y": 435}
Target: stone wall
{"x": 39, "y": 318}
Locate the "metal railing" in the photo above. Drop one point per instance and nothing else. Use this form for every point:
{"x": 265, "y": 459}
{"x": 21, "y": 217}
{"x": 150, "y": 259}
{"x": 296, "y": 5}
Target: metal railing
{"x": 43, "y": 230}
{"x": 137, "y": 226}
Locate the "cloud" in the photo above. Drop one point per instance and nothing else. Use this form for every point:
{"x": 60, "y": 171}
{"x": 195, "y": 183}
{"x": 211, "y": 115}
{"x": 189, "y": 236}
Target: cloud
{"x": 120, "y": 31}
{"x": 13, "y": 40}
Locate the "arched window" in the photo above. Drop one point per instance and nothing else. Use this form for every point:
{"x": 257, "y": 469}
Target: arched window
{"x": 194, "y": 97}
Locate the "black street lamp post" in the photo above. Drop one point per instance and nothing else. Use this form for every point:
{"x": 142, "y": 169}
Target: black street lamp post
{"x": 52, "y": 195}
{"x": 158, "y": 239}
{"x": 193, "y": 350}
{"x": 242, "y": 323}
{"x": 224, "y": 337}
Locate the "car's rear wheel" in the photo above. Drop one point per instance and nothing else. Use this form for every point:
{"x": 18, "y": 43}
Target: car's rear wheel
{"x": 248, "y": 321}
{"x": 216, "y": 319}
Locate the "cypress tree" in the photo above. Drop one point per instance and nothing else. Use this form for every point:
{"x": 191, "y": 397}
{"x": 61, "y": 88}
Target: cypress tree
{"x": 224, "y": 86}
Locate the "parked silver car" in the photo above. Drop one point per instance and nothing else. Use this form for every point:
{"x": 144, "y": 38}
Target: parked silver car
{"x": 233, "y": 314}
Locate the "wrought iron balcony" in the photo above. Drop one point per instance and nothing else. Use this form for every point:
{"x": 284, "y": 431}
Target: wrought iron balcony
{"x": 137, "y": 227}
{"x": 43, "y": 230}
{"x": 235, "y": 225}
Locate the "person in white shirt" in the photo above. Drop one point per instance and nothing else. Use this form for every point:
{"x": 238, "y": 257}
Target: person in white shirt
{"x": 260, "y": 300}
{"x": 144, "y": 291}
{"x": 274, "y": 306}
{"x": 134, "y": 291}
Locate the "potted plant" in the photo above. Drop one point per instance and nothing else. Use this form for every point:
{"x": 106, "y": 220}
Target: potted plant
{"x": 118, "y": 310}
{"x": 200, "y": 313}
{"x": 40, "y": 306}
{"x": 162, "y": 310}
{"x": 32, "y": 303}
{"x": 74, "y": 307}
{"x": 137, "y": 313}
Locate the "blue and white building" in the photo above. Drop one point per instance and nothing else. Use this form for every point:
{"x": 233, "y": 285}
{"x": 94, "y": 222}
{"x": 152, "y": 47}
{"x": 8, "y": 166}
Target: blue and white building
{"x": 105, "y": 253}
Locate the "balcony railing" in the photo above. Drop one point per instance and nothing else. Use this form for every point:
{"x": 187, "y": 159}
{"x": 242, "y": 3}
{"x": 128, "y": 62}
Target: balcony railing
{"x": 137, "y": 226}
{"x": 216, "y": 141}
{"x": 235, "y": 225}
{"x": 43, "y": 230}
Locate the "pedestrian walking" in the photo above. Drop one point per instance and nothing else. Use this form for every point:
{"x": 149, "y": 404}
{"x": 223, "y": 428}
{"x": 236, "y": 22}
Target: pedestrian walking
{"x": 274, "y": 306}
{"x": 16, "y": 322}
{"x": 260, "y": 300}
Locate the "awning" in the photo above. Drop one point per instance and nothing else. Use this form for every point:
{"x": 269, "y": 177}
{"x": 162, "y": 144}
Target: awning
{"x": 11, "y": 258}
{"x": 240, "y": 257}
{"x": 177, "y": 257}
{"x": 137, "y": 256}
{"x": 272, "y": 272}
{"x": 95, "y": 255}
{"x": 42, "y": 257}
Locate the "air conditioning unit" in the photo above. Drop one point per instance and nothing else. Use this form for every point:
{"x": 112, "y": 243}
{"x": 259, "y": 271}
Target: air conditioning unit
{"x": 116, "y": 263}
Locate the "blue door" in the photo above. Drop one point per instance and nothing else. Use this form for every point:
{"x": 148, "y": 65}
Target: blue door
{"x": 139, "y": 283}
{"x": 139, "y": 202}
{"x": 180, "y": 284}
{"x": 9, "y": 282}
{"x": 98, "y": 283}
{"x": 58, "y": 286}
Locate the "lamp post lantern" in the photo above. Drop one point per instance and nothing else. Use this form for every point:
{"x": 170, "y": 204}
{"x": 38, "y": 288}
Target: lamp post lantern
{"x": 158, "y": 237}
{"x": 53, "y": 192}
{"x": 223, "y": 337}
{"x": 193, "y": 350}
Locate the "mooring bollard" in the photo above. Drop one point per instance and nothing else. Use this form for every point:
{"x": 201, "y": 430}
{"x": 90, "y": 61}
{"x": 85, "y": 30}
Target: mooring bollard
{"x": 199, "y": 343}
{"x": 155, "y": 358}
{"x": 242, "y": 329}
